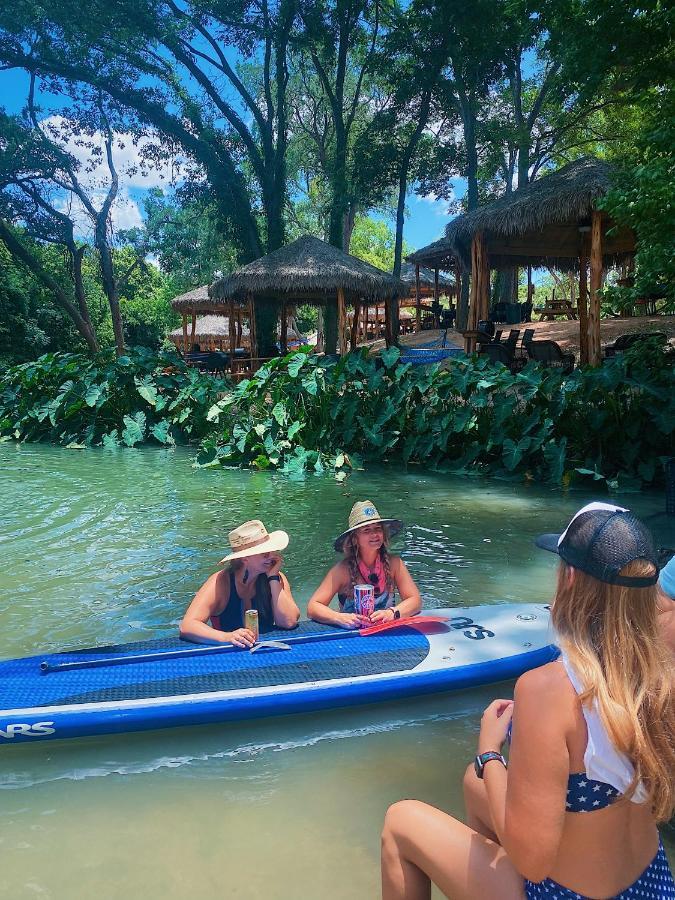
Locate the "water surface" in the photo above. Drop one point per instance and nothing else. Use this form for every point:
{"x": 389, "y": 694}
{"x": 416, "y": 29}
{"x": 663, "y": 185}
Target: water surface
{"x": 102, "y": 546}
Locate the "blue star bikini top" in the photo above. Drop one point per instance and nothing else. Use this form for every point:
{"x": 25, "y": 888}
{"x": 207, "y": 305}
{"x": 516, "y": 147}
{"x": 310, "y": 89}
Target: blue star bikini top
{"x": 607, "y": 772}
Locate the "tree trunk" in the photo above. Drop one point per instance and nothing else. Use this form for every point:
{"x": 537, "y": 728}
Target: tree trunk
{"x": 26, "y": 258}
{"x": 594, "y": 357}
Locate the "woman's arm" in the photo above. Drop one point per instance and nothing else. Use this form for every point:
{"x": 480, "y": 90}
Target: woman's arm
{"x": 284, "y": 607}
{"x": 532, "y": 799}
{"x": 410, "y": 602}
{"x": 319, "y": 609}
{"x": 666, "y": 620}
{"x": 210, "y": 600}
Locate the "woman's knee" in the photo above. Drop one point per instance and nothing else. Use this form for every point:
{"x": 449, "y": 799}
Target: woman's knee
{"x": 398, "y": 820}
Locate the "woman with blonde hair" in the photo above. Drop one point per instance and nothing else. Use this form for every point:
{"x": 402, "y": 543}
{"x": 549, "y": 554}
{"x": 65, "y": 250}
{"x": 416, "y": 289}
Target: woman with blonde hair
{"x": 591, "y": 767}
{"x": 366, "y": 560}
{"x": 252, "y": 580}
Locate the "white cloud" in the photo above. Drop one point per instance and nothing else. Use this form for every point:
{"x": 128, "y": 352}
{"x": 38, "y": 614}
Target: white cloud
{"x": 125, "y": 212}
{"x": 89, "y": 151}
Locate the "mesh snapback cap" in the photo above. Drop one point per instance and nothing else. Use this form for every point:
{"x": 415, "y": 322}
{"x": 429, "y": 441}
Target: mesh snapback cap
{"x": 600, "y": 540}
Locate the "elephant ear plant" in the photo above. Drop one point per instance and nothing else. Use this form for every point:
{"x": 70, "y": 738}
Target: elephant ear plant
{"x": 84, "y": 401}
{"x": 303, "y": 413}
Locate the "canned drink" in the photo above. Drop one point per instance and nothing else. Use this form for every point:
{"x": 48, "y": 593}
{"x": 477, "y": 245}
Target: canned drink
{"x": 251, "y": 621}
{"x": 364, "y": 599}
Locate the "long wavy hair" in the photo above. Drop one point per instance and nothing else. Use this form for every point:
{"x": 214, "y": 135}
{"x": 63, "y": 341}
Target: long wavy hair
{"x": 611, "y": 636}
{"x": 351, "y": 551}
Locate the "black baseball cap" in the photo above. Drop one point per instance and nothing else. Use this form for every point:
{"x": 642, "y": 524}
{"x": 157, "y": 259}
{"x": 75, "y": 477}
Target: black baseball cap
{"x": 600, "y": 540}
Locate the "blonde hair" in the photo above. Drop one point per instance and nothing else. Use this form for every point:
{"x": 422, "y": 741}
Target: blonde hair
{"x": 611, "y": 636}
{"x": 351, "y": 551}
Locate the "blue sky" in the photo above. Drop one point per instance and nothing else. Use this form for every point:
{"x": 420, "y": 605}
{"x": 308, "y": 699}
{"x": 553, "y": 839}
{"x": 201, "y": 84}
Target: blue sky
{"x": 426, "y": 217}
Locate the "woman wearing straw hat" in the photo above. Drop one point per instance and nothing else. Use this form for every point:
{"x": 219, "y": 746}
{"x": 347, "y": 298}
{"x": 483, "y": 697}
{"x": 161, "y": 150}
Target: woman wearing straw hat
{"x": 252, "y": 580}
{"x": 367, "y": 561}
{"x": 590, "y": 769}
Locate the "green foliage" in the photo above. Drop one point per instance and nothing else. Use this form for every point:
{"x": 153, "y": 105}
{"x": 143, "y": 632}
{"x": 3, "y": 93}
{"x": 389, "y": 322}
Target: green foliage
{"x": 304, "y": 414}
{"x": 77, "y": 400}
{"x": 373, "y": 241}
{"x": 643, "y": 199}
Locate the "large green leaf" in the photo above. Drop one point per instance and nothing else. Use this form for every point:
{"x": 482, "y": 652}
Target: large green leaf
{"x": 134, "y": 430}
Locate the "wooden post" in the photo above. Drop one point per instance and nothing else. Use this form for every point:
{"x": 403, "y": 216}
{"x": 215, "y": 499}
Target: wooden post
{"x": 436, "y": 299}
{"x": 185, "y": 337}
{"x": 582, "y": 304}
{"x": 284, "y": 328}
{"x": 418, "y": 309}
{"x": 252, "y": 332}
{"x": 341, "y": 322}
{"x": 193, "y": 331}
{"x": 233, "y": 337}
{"x": 355, "y": 324}
{"x": 480, "y": 287}
{"x": 458, "y": 289}
{"x": 594, "y": 357}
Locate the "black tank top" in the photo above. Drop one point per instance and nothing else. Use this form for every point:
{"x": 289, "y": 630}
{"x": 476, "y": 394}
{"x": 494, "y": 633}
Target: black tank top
{"x": 232, "y": 617}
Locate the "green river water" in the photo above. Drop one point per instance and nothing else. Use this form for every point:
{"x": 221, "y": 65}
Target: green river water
{"x": 101, "y": 547}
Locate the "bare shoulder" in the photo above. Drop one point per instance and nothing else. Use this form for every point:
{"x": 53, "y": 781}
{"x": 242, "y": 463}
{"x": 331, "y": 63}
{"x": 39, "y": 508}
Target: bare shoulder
{"x": 544, "y": 682}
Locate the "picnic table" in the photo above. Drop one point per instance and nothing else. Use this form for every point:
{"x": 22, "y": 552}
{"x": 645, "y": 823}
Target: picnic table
{"x": 560, "y": 306}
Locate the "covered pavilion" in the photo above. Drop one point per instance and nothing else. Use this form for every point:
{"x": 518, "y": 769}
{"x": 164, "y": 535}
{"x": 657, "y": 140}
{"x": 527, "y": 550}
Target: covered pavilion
{"x": 211, "y": 325}
{"x": 212, "y": 333}
{"x": 307, "y": 271}
{"x": 553, "y": 221}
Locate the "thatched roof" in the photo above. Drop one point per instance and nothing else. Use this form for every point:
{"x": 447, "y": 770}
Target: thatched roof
{"x": 440, "y": 253}
{"x": 195, "y": 301}
{"x": 307, "y": 270}
{"x": 538, "y": 224}
{"x": 426, "y": 276}
{"x": 209, "y": 327}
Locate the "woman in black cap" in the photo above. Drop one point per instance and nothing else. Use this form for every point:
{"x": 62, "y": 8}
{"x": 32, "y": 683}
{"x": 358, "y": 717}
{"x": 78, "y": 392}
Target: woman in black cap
{"x": 592, "y": 758}
{"x": 366, "y": 561}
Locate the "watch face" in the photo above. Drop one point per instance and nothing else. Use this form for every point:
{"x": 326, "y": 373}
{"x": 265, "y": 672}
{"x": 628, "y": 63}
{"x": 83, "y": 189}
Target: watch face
{"x": 478, "y": 767}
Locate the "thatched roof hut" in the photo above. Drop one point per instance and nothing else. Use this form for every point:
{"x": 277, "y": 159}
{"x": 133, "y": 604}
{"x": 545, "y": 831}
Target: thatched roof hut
{"x": 212, "y": 332}
{"x": 540, "y": 224}
{"x": 427, "y": 280}
{"x": 440, "y": 254}
{"x": 308, "y": 270}
{"x": 196, "y": 301}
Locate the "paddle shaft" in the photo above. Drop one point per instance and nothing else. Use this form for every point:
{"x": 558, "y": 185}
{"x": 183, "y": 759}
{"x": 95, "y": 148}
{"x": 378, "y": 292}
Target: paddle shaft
{"x": 46, "y": 667}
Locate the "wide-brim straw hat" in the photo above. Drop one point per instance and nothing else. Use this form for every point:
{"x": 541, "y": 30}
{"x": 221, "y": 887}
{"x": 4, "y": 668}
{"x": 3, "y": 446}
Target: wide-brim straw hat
{"x": 251, "y": 538}
{"x": 364, "y": 513}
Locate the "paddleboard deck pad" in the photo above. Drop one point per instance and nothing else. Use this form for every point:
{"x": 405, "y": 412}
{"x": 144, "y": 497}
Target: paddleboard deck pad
{"x": 325, "y": 668}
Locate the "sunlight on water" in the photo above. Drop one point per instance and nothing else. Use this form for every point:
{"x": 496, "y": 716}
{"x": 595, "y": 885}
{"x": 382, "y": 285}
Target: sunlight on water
{"x": 102, "y": 547}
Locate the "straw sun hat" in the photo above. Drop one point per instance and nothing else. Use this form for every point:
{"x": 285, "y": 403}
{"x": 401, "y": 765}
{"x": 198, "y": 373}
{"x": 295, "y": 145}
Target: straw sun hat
{"x": 252, "y": 537}
{"x": 364, "y": 513}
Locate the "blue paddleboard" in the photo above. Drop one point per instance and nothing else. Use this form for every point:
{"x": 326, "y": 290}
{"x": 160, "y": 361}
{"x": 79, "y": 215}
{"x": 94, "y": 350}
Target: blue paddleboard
{"x": 116, "y": 689}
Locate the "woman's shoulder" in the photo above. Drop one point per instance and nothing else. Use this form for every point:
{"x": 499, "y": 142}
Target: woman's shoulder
{"x": 544, "y": 683}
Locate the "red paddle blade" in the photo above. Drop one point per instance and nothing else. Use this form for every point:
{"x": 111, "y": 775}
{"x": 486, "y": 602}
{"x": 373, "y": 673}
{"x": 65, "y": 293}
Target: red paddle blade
{"x": 400, "y": 623}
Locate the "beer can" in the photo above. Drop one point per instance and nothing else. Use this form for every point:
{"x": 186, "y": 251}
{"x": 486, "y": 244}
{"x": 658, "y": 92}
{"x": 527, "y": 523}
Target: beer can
{"x": 251, "y": 621}
{"x": 364, "y": 599}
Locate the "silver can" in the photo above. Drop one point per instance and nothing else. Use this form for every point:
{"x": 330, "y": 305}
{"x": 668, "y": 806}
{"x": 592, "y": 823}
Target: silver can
{"x": 364, "y": 599}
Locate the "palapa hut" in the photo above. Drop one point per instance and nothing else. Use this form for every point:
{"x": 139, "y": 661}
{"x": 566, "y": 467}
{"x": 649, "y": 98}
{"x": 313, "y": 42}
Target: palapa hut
{"x": 212, "y": 333}
{"x": 197, "y": 301}
{"x": 553, "y": 221}
{"x": 307, "y": 271}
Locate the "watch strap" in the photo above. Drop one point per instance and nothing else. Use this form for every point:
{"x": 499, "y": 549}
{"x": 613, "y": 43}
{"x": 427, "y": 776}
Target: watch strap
{"x": 483, "y": 758}
{"x": 274, "y": 578}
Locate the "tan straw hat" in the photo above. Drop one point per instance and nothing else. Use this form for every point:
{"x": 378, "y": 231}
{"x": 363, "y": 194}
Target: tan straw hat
{"x": 252, "y": 537}
{"x": 364, "y": 513}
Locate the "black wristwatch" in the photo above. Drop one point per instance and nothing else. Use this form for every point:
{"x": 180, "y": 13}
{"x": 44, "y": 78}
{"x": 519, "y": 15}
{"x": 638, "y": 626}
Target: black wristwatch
{"x": 483, "y": 758}
{"x": 274, "y": 578}
{"x": 397, "y": 612}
